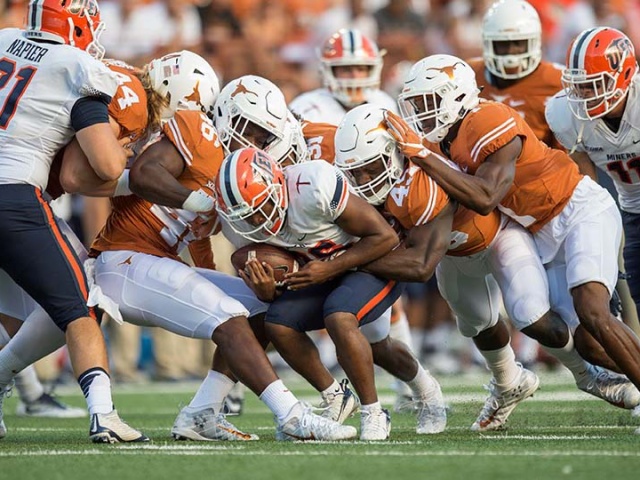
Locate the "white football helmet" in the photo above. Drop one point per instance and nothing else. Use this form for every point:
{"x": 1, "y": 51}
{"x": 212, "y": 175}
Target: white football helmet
{"x": 508, "y": 20}
{"x": 293, "y": 147}
{"x": 367, "y": 153}
{"x": 438, "y": 91}
{"x": 187, "y": 79}
{"x": 350, "y": 47}
{"x": 251, "y": 100}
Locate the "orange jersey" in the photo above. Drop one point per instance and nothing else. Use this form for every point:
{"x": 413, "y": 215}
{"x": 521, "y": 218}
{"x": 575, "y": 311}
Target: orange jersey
{"x": 138, "y": 225}
{"x": 528, "y": 96}
{"x": 545, "y": 178}
{"x": 128, "y": 107}
{"x": 416, "y": 199}
{"x": 320, "y": 140}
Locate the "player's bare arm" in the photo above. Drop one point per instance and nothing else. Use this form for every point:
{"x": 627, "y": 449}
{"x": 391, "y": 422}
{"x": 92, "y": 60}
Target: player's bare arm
{"x": 416, "y": 259}
{"x": 154, "y": 175}
{"x": 376, "y": 239}
{"x": 483, "y": 191}
{"x": 585, "y": 164}
{"x": 103, "y": 150}
{"x": 77, "y": 175}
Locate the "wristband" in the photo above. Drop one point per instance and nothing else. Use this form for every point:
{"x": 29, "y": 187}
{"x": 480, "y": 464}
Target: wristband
{"x": 122, "y": 187}
{"x": 198, "y": 201}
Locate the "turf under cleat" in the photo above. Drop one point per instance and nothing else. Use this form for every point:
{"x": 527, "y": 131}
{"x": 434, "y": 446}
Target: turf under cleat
{"x": 206, "y": 426}
{"x": 499, "y": 405}
{"x": 48, "y": 406}
{"x": 340, "y": 405}
{"x": 375, "y": 425}
{"x": 303, "y": 424}
{"x": 611, "y": 387}
{"x": 109, "y": 428}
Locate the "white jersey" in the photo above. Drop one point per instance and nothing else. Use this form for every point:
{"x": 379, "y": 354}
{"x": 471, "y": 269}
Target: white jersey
{"x": 318, "y": 194}
{"x": 40, "y": 83}
{"x": 320, "y": 106}
{"x": 617, "y": 154}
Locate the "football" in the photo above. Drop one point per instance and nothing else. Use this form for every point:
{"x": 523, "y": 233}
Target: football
{"x": 281, "y": 260}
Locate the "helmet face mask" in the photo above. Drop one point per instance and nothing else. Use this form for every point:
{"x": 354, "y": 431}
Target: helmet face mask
{"x": 76, "y": 23}
{"x": 511, "y": 21}
{"x": 186, "y": 80}
{"x": 351, "y": 65}
{"x": 600, "y": 67}
{"x": 246, "y": 104}
{"x": 251, "y": 194}
{"x": 367, "y": 154}
{"x": 438, "y": 91}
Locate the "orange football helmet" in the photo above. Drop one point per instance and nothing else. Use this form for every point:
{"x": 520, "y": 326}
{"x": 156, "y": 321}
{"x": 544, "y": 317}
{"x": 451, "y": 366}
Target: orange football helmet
{"x": 251, "y": 194}
{"x": 73, "y": 22}
{"x": 601, "y": 64}
{"x": 345, "y": 48}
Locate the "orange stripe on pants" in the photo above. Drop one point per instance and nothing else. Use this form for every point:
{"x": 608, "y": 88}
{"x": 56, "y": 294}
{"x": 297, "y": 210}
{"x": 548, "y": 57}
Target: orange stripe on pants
{"x": 371, "y": 304}
{"x": 71, "y": 258}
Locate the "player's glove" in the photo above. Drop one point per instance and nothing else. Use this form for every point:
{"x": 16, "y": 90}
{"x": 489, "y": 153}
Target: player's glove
{"x": 407, "y": 139}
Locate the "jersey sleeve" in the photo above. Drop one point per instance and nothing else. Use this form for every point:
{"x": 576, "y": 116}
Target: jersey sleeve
{"x": 94, "y": 79}
{"x": 192, "y": 133}
{"x": 416, "y": 202}
{"x": 488, "y": 129}
{"x": 561, "y": 122}
{"x": 320, "y": 140}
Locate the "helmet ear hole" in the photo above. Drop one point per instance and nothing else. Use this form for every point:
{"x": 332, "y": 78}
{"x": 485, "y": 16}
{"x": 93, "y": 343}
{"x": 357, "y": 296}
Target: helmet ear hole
{"x": 77, "y": 31}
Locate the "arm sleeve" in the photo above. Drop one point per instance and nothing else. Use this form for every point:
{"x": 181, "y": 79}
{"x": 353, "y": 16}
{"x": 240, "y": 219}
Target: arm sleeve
{"x": 89, "y": 111}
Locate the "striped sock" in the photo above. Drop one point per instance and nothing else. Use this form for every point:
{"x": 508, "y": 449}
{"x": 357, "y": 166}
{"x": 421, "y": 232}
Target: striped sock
{"x": 96, "y": 387}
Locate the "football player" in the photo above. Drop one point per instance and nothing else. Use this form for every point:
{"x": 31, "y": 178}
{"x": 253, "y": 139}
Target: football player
{"x": 350, "y": 65}
{"x": 141, "y": 101}
{"x": 53, "y": 88}
{"x": 474, "y": 254}
{"x": 504, "y": 165}
{"x": 511, "y": 70}
{"x": 594, "y": 118}
{"x": 307, "y": 209}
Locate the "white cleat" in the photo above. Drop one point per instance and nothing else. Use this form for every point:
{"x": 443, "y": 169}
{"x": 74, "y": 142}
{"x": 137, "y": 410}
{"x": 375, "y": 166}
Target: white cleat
{"x": 611, "y": 387}
{"x": 499, "y": 405}
{"x": 109, "y": 428}
{"x": 340, "y": 405}
{"x": 636, "y": 412}
{"x": 4, "y": 392}
{"x": 431, "y": 411}
{"x": 205, "y": 425}
{"x": 50, "y": 407}
{"x": 303, "y": 424}
{"x": 375, "y": 425}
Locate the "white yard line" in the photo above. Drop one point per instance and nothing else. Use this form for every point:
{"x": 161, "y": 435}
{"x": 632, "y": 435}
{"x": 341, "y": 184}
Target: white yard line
{"x": 305, "y": 452}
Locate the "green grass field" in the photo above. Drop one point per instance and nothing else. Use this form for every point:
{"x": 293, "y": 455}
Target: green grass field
{"x": 560, "y": 433}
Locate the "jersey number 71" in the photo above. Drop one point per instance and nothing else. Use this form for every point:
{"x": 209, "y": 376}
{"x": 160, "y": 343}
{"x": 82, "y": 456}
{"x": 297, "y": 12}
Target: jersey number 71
{"x": 23, "y": 78}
